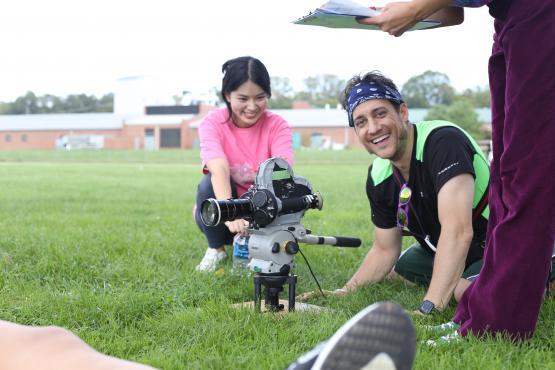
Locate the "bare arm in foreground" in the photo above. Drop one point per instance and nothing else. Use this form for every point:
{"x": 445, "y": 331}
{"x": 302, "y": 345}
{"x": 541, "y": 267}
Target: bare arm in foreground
{"x": 52, "y": 348}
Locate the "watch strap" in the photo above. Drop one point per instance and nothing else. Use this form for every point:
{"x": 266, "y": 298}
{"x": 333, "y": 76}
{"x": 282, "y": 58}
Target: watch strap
{"x": 427, "y": 307}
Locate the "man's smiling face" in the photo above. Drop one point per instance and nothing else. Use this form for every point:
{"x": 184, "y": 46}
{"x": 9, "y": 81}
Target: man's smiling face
{"x": 381, "y": 129}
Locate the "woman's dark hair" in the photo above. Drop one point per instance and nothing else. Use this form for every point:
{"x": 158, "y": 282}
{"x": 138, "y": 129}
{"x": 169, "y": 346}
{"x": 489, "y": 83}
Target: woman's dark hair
{"x": 240, "y": 70}
{"x": 374, "y": 76}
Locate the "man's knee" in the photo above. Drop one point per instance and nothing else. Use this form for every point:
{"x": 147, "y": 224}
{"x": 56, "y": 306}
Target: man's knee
{"x": 413, "y": 276}
{"x": 415, "y": 265}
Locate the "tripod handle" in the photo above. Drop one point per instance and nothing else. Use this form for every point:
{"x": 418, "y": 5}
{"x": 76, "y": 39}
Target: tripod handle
{"x": 337, "y": 241}
{"x": 347, "y": 241}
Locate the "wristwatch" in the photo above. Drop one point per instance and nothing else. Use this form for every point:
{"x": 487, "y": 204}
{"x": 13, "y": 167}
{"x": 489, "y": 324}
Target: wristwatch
{"x": 427, "y": 307}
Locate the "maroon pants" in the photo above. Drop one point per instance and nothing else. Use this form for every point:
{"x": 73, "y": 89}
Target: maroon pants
{"x": 507, "y": 296}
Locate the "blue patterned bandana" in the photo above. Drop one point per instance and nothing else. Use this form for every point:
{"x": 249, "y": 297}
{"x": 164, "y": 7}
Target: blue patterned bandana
{"x": 364, "y": 91}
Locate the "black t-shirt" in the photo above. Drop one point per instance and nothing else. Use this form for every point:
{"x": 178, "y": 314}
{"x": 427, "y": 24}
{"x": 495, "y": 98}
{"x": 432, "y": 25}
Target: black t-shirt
{"x": 439, "y": 155}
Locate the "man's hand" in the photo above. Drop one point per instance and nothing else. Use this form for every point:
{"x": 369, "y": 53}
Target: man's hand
{"x": 237, "y": 226}
{"x": 327, "y": 293}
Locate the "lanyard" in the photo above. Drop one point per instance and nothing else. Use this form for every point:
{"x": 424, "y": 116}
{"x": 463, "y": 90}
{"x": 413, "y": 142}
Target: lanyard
{"x": 407, "y": 231}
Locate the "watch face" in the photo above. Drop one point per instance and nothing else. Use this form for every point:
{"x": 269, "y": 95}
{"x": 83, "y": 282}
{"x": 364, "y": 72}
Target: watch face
{"x": 426, "y": 307}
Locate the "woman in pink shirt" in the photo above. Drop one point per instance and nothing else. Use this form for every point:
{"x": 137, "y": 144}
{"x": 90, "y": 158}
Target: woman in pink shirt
{"x": 233, "y": 142}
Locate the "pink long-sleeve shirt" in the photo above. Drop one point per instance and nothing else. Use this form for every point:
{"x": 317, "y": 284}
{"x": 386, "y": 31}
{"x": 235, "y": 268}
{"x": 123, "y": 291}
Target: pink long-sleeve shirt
{"x": 244, "y": 148}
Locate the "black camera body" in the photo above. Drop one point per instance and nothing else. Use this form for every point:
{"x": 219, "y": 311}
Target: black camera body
{"x": 276, "y": 193}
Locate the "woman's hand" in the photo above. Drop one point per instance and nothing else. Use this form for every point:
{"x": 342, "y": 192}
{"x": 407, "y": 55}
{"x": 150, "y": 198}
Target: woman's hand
{"x": 237, "y": 226}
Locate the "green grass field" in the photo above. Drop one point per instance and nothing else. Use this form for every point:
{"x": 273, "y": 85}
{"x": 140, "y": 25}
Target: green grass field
{"x": 103, "y": 243}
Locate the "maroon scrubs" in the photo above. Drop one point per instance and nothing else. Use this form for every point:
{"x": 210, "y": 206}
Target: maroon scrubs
{"x": 507, "y": 296}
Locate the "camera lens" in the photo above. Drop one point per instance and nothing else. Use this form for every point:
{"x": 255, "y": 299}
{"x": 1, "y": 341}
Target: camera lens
{"x": 210, "y": 212}
{"x": 213, "y": 212}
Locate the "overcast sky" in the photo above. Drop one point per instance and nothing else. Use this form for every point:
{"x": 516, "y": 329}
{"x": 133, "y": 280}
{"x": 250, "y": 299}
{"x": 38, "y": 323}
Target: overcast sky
{"x": 66, "y": 47}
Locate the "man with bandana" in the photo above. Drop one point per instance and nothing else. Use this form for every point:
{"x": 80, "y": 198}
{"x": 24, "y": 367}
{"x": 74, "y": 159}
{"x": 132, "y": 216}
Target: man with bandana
{"x": 429, "y": 180}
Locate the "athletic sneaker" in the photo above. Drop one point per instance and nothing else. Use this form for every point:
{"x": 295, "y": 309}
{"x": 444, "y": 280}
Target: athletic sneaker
{"x": 211, "y": 260}
{"x": 445, "y": 339}
{"x": 448, "y": 326}
{"x": 379, "y": 337}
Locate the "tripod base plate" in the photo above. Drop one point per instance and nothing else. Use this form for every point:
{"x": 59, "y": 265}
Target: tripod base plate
{"x": 298, "y": 307}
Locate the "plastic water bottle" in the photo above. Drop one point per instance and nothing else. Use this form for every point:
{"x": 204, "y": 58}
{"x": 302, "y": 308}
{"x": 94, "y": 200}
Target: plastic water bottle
{"x": 241, "y": 254}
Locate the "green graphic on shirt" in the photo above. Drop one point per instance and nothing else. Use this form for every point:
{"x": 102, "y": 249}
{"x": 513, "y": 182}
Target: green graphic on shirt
{"x": 382, "y": 168}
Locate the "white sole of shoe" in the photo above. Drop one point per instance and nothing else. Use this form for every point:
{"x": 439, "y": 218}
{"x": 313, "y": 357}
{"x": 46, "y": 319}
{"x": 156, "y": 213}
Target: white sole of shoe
{"x": 380, "y": 334}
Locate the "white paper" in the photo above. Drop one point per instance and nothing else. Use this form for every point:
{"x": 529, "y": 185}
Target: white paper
{"x": 343, "y": 14}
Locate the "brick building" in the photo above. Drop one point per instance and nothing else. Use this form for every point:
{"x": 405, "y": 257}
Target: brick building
{"x": 164, "y": 127}
{"x": 163, "y": 124}
{"x": 160, "y": 127}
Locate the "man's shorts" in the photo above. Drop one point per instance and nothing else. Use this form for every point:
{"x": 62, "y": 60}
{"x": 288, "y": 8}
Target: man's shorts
{"x": 416, "y": 264}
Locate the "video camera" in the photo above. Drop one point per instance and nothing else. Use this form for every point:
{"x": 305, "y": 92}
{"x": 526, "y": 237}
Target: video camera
{"x": 274, "y": 207}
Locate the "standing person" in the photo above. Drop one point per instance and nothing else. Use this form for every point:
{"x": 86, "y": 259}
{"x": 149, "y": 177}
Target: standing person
{"x": 507, "y": 296}
{"x": 233, "y": 142}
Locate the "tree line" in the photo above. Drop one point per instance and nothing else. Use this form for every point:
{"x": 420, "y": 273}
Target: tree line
{"x": 430, "y": 90}
{"x": 78, "y": 103}
{"x": 423, "y": 91}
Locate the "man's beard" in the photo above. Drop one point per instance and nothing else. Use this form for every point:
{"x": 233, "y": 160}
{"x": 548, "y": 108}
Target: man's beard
{"x": 401, "y": 148}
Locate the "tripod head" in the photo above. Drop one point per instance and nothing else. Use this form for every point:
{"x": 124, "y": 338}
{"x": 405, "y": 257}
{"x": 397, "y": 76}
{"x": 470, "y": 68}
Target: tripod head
{"x": 274, "y": 207}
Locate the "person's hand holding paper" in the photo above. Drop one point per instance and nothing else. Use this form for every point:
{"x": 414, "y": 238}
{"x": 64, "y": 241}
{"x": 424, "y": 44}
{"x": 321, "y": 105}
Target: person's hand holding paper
{"x": 394, "y": 18}
{"x": 397, "y": 17}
